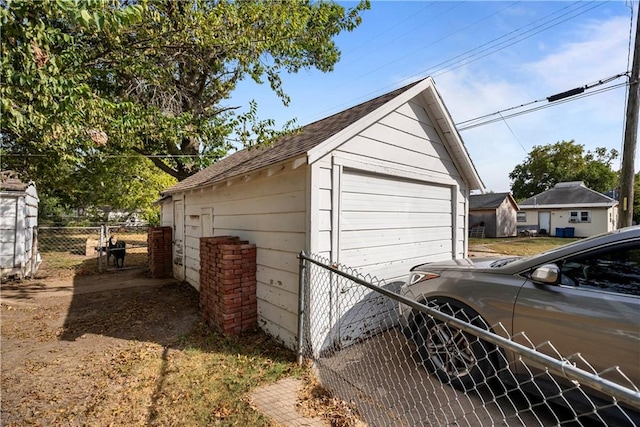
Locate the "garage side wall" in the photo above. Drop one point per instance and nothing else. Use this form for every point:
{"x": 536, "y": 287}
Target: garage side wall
{"x": 268, "y": 210}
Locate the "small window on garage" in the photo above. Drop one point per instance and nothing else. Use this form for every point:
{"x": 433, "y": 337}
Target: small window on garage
{"x": 521, "y": 217}
{"x": 580, "y": 216}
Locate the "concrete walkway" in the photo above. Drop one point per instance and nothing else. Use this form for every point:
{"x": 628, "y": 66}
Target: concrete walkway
{"x": 278, "y": 402}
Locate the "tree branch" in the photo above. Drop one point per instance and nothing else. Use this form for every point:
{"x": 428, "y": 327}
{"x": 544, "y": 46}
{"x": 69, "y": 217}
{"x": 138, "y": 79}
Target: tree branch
{"x": 158, "y": 163}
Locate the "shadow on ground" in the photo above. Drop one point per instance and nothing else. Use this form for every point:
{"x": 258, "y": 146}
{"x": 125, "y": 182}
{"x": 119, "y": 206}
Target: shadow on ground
{"x": 124, "y": 349}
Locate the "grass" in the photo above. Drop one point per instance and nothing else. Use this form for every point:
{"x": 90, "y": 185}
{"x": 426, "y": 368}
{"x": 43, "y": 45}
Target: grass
{"x": 206, "y": 380}
{"x": 521, "y": 246}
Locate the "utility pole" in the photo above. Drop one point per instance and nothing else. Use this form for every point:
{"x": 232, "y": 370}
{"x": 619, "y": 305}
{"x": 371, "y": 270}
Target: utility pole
{"x": 625, "y": 207}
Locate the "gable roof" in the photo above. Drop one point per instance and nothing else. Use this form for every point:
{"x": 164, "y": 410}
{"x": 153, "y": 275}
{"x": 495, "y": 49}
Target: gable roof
{"x": 490, "y": 201}
{"x": 568, "y": 195}
{"x": 325, "y": 133}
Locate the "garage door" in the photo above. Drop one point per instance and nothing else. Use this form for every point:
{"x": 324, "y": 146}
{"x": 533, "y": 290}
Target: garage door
{"x": 388, "y": 224}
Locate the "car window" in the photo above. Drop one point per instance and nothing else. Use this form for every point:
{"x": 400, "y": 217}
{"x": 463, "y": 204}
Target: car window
{"x": 613, "y": 270}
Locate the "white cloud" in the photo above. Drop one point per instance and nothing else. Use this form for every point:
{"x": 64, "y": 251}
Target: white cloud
{"x": 599, "y": 50}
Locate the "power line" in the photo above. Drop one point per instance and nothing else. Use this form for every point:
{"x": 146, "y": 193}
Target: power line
{"x": 514, "y": 134}
{"x": 479, "y": 52}
{"x": 549, "y": 99}
{"x": 497, "y": 44}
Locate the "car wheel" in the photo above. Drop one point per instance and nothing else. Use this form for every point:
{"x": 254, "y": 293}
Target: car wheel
{"x": 456, "y": 357}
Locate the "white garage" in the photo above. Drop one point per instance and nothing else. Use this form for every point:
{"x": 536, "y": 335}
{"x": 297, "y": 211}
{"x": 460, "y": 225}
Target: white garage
{"x": 379, "y": 187}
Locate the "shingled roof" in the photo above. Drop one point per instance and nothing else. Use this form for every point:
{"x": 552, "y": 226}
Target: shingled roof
{"x": 489, "y": 201}
{"x": 9, "y": 181}
{"x": 288, "y": 147}
{"x": 568, "y": 194}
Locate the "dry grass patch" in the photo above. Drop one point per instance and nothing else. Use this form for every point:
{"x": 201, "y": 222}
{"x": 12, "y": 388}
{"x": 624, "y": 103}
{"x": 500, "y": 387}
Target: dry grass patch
{"x": 131, "y": 357}
{"x": 517, "y": 246}
{"x": 204, "y": 381}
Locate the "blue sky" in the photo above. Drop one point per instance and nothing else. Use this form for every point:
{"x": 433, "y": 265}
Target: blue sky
{"x": 485, "y": 57}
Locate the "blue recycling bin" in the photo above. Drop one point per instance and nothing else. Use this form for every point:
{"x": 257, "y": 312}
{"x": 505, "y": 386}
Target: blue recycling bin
{"x": 559, "y": 232}
{"x": 569, "y": 231}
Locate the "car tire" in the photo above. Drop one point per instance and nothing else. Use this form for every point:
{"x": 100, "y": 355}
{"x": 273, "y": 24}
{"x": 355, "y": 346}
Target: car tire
{"x": 455, "y": 357}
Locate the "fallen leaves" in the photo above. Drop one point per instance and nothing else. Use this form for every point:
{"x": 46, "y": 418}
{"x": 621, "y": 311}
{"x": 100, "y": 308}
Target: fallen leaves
{"x": 316, "y": 401}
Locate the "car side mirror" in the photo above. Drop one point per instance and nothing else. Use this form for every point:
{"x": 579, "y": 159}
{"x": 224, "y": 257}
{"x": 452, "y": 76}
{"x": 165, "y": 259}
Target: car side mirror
{"x": 547, "y": 273}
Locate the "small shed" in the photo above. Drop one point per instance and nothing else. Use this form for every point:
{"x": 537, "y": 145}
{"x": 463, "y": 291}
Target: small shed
{"x": 495, "y": 213}
{"x": 18, "y": 227}
{"x": 570, "y": 207}
{"x": 379, "y": 187}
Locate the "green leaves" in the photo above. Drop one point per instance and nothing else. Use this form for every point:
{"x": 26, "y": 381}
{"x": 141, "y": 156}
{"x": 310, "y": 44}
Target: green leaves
{"x": 563, "y": 161}
{"x": 151, "y": 78}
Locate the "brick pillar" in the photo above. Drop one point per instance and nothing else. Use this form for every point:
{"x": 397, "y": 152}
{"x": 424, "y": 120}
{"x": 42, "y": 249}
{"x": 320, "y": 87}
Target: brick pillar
{"x": 160, "y": 250}
{"x": 228, "y": 284}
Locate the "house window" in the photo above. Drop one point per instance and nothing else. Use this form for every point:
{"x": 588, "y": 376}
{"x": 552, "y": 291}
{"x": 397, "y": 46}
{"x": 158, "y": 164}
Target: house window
{"x": 521, "y": 217}
{"x": 580, "y": 216}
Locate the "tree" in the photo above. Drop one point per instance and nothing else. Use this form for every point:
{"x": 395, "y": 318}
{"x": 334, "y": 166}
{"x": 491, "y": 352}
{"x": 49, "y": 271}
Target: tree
{"x": 47, "y": 103}
{"x": 50, "y": 112}
{"x": 129, "y": 184}
{"x": 547, "y": 165}
{"x": 152, "y": 78}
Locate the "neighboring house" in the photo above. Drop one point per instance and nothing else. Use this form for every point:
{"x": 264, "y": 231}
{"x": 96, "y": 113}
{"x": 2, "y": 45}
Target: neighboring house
{"x": 570, "y": 207}
{"x": 379, "y": 187}
{"x": 496, "y": 212}
{"x": 18, "y": 227}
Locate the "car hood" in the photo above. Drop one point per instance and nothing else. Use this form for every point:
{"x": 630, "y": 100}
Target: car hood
{"x": 485, "y": 263}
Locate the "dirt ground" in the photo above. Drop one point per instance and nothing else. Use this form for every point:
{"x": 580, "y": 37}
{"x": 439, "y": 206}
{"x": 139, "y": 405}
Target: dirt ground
{"x": 63, "y": 340}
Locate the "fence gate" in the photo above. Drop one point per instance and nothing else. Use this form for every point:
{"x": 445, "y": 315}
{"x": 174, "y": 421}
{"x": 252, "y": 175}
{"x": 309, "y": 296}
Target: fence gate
{"x": 126, "y": 247}
{"x": 85, "y": 250}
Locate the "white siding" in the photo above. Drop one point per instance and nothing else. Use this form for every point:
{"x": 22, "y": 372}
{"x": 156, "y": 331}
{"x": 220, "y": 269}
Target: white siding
{"x": 8, "y": 231}
{"x": 389, "y": 224}
{"x": 178, "y": 240}
{"x": 270, "y": 212}
{"x": 18, "y": 220}
{"x": 322, "y": 202}
{"x": 166, "y": 213}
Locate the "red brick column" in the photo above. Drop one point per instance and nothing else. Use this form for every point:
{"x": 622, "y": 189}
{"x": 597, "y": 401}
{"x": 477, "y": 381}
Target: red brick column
{"x": 159, "y": 249}
{"x": 228, "y": 284}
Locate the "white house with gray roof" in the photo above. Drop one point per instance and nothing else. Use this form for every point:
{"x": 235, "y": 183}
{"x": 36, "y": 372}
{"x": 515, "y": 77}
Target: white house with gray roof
{"x": 569, "y": 205}
{"x": 379, "y": 187}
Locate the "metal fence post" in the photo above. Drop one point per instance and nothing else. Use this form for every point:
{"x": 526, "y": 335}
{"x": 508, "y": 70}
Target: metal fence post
{"x": 301, "y": 298}
{"x": 100, "y": 246}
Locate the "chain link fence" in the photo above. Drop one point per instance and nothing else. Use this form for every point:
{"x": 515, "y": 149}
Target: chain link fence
{"x": 448, "y": 369}
{"x": 87, "y": 250}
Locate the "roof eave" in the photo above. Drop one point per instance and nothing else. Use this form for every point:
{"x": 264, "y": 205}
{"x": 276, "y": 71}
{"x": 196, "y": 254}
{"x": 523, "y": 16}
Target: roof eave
{"x": 294, "y": 161}
{"x": 454, "y": 140}
{"x": 570, "y": 206}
